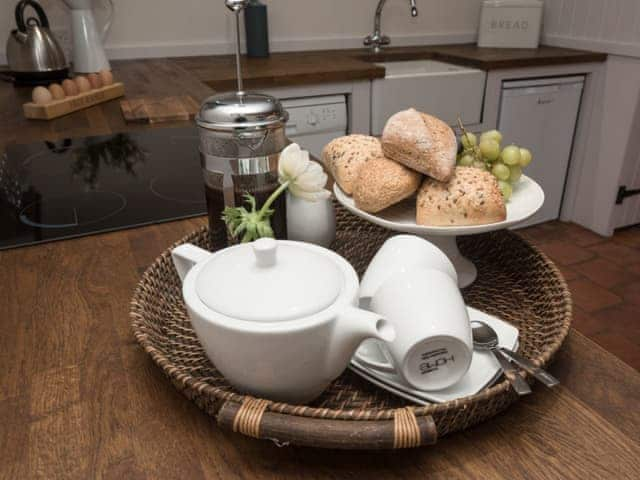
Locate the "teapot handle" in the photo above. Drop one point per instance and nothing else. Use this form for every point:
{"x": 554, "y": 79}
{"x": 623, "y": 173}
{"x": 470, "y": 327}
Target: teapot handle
{"x": 186, "y": 256}
{"x": 19, "y": 12}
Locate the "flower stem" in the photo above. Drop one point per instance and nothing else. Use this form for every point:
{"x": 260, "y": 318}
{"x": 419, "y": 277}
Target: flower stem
{"x": 272, "y": 198}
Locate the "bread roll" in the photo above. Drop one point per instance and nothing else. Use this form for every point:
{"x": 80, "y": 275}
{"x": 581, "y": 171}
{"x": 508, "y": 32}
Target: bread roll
{"x": 471, "y": 197}
{"x": 382, "y": 182}
{"x": 421, "y": 142}
{"x": 344, "y": 156}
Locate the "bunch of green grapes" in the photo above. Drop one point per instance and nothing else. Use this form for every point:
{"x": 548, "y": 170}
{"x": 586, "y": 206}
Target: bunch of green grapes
{"x": 505, "y": 164}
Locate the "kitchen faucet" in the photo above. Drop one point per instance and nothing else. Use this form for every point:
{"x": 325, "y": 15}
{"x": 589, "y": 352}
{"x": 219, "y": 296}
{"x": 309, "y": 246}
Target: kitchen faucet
{"x": 377, "y": 40}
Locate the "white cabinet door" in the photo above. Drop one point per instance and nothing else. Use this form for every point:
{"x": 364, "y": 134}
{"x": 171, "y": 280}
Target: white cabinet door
{"x": 541, "y": 115}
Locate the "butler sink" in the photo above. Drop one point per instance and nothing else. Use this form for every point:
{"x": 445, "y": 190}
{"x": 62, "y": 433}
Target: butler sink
{"x": 441, "y": 89}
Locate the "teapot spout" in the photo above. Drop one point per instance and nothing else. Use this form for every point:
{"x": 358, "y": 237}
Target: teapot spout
{"x": 186, "y": 256}
{"x": 353, "y": 326}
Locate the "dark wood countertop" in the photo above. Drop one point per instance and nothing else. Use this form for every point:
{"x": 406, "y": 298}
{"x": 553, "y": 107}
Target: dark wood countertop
{"x": 201, "y": 76}
{"x": 147, "y": 77}
{"x": 302, "y": 68}
{"x": 489, "y": 58}
{"x": 80, "y": 399}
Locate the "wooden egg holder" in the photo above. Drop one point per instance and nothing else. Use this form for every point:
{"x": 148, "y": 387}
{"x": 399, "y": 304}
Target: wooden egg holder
{"x": 58, "y": 108}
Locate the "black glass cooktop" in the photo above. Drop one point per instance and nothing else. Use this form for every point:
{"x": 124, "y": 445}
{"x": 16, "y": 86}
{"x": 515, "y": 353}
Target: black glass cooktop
{"x": 50, "y": 191}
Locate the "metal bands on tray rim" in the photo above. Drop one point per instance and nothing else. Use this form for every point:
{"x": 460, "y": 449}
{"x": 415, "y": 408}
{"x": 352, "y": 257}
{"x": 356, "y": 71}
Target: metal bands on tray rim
{"x": 538, "y": 302}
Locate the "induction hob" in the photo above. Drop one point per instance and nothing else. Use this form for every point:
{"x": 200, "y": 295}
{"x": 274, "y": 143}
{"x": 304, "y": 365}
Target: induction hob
{"x": 74, "y": 187}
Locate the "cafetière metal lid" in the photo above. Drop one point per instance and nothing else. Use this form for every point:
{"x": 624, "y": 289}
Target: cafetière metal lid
{"x": 241, "y": 111}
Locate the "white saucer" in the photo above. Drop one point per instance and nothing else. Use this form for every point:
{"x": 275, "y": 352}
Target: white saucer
{"x": 483, "y": 372}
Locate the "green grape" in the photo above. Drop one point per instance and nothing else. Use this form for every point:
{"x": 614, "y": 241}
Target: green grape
{"x": 466, "y": 160}
{"x": 468, "y": 140}
{"x": 511, "y": 155}
{"x": 501, "y": 171}
{"x": 525, "y": 157}
{"x": 494, "y": 135}
{"x": 490, "y": 149}
{"x": 505, "y": 189}
{"x": 516, "y": 173}
{"x": 479, "y": 164}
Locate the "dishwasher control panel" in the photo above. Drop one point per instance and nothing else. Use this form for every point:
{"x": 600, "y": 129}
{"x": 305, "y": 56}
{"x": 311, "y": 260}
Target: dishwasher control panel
{"x": 316, "y": 115}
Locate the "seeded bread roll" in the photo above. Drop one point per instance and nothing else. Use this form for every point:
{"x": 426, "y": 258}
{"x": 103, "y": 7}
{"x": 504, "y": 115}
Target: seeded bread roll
{"x": 421, "y": 142}
{"x": 344, "y": 156}
{"x": 382, "y": 183}
{"x": 471, "y": 197}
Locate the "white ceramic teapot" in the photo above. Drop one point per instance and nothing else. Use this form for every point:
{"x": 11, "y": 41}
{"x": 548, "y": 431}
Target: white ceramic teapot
{"x": 277, "y": 318}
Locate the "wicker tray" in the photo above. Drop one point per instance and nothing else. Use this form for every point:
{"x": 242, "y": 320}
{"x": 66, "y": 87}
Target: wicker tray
{"x": 352, "y": 413}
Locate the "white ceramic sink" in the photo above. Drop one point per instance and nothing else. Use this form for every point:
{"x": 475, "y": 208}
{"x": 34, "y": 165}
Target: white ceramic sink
{"x": 441, "y": 89}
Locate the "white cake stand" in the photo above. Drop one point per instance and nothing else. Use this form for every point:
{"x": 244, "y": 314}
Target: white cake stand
{"x": 526, "y": 200}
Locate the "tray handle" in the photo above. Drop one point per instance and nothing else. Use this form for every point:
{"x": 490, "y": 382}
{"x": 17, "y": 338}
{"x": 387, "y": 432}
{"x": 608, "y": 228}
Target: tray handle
{"x": 250, "y": 418}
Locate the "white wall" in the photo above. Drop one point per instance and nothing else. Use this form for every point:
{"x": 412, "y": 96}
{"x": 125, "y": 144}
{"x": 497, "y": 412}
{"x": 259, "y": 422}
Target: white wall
{"x": 144, "y": 28}
{"x": 605, "y": 25}
{"x": 611, "y": 26}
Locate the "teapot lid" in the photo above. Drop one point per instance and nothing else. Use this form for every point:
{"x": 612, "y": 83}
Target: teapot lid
{"x": 270, "y": 281}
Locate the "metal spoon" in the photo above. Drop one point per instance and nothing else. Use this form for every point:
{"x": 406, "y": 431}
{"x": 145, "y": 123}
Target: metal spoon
{"x": 485, "y": 338}
{"x": 527, "y": 365}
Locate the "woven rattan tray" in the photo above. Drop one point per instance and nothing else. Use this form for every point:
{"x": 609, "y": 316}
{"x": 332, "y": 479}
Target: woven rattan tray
{"x": 515, "y": 282}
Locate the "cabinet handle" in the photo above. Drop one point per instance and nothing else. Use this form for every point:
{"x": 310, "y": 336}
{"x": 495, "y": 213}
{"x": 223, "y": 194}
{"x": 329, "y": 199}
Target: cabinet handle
{"x": 545, "y": 101}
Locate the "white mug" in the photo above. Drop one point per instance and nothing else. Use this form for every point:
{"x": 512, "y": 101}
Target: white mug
{"x": 433, "y": 346}
{"x": 402, "y": 253}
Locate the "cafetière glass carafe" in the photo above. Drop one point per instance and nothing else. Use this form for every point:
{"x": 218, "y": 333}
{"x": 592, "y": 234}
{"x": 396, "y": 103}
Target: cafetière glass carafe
{"x": 241, "y": 137}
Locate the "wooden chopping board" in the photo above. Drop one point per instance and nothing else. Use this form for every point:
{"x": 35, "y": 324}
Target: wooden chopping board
{"x": 159, "y": 109}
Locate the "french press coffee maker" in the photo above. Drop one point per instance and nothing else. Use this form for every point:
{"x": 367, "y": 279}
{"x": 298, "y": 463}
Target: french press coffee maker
{"x": 241, "y": 137}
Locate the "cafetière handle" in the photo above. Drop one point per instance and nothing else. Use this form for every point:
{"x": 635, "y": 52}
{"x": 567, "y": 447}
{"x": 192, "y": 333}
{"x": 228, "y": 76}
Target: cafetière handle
{"x": 20, "y": 7}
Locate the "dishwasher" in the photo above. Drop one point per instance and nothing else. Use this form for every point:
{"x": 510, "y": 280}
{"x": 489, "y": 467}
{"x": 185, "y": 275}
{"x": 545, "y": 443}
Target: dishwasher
{"x": 541, "y": 114}
{"x": 315, "y": 121}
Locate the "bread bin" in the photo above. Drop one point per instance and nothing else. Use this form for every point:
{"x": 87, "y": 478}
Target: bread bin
{"x": 510, "y": 23}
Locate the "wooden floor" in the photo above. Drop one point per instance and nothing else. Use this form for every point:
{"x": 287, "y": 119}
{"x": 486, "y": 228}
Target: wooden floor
{"x": 604, "y": 277}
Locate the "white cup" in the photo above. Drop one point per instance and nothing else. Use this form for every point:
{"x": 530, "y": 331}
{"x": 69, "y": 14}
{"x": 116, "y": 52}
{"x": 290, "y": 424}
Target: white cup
{"x": 433, "y": 346}
{"x": 402, "y": 253}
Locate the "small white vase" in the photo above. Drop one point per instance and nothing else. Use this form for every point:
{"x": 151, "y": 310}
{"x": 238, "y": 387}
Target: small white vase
{"x": 312, "y": 222}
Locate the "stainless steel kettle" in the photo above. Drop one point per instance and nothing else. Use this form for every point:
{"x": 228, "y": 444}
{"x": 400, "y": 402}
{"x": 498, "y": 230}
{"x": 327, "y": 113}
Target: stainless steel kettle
{"x": 33, "y": 53}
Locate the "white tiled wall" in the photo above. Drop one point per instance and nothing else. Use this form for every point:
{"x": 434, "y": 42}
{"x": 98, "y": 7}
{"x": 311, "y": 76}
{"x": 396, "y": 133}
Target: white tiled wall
{"x": 608, "y": 25}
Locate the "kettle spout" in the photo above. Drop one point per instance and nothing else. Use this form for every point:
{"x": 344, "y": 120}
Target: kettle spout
{"x": 353, "y": 326}
{"x": 20, "y": 37}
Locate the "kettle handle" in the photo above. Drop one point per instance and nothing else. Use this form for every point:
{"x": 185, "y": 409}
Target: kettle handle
{"x": 42, "y": 17}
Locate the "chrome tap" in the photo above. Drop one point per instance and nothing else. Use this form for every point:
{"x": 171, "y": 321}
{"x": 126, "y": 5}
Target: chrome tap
{"x": 377, "y": 40}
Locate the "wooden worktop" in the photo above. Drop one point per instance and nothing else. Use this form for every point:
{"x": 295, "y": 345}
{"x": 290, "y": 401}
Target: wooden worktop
{"x": 300, "y": 68}
{"x": 80, "y": 399}
{"x": 148, "y": 77}
{"x": 202, "y": 76}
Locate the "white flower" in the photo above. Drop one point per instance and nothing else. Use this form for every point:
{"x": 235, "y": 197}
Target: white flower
{"x": 306, "y": 178}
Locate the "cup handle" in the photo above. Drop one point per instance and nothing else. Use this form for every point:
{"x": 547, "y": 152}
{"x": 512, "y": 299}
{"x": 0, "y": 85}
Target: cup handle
{"x": 186, "y": 256}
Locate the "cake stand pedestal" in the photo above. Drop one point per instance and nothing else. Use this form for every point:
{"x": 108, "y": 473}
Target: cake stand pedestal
{"x": 526, "y": 200}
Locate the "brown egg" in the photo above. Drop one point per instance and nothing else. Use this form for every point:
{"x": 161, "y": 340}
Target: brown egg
{"x": 41, "y": 96}
{"x": 82, "y": 83}
{"x": 56, "y": 91}
{"x": 70, "y": 88}
{"x": 106, "y": 76}
{"x": 94, "y": 80}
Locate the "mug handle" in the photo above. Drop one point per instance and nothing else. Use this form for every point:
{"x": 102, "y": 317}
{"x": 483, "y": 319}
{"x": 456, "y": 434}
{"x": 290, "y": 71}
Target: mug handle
{"x": 186, "y": 256}
{"x": 387, "y": 366}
